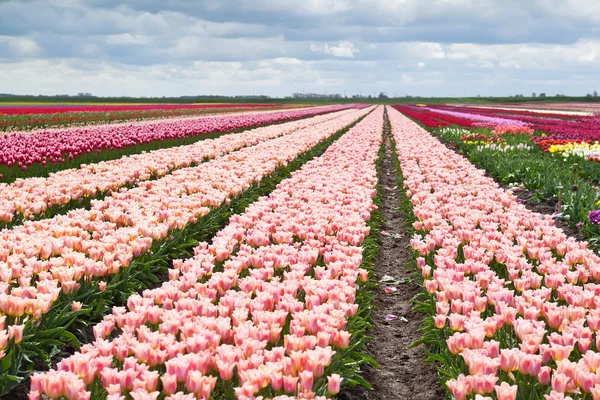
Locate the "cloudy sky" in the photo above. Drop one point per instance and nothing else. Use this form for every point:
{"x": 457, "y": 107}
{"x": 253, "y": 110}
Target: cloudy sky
{"x": 277, "y": 47}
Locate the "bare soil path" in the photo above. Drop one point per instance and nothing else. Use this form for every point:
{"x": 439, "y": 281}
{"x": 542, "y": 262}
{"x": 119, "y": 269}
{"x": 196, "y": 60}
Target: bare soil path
{"x": 402, "y": 375}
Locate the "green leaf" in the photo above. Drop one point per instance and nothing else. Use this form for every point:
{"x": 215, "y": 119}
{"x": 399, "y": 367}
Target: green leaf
{"x": 5, "y": 363}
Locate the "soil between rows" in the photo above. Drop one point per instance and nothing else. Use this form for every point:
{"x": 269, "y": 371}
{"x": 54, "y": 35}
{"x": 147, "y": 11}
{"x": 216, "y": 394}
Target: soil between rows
{"x": 402, "y": 373}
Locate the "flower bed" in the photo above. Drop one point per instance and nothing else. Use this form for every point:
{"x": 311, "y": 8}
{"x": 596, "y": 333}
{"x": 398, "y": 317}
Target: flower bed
{"x": 48, "y": 264}
{"x": 262, "y": 310}
{"x": 33, "y": 197}
{"x": 54, "y": 146}
{"x": 512, "y": 299}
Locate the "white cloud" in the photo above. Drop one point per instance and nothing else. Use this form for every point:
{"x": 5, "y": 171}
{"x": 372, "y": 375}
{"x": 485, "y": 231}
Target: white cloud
{"x": 20, "y": 45}
{"x": 66, "y": 76}
{"x": 421, "y": 64}
{"x": 127, "y": 39}
{"x": 343, "y": 49}
{"x": 228, "y": 29}
{"x": 543, "y": 56}
{"x": 309, "y": 7}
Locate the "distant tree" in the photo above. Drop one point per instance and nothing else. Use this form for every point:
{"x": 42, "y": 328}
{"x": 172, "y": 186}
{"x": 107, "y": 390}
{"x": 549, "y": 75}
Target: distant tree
{"x": 533, "y": 94}
{"x": 382, "y": 95}
{"x": 542, "y": 95}
{"x": 595, "y": 93}
{"x": 369, "y": 97}
{"x": 588, "y": 95}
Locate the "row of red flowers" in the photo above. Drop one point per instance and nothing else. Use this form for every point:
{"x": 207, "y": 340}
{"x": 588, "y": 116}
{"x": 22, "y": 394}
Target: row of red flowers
{"x": 432, "y": 119}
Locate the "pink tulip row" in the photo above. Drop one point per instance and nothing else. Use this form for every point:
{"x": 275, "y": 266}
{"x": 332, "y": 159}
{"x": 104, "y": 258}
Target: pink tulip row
{"x": 33, "y": 196}
{"x": 533, "y": 111}
{"x": 24, "y": 149}
{"x": 40, "y": 259}
{"x": 482, "y": 120}
{"x": 515, "y": 296}
{"x": 219, "y": 325}
{"x": 593, "y": 108}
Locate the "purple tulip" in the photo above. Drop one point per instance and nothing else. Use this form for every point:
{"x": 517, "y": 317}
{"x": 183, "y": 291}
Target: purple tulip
{"x": 594, "y": 217}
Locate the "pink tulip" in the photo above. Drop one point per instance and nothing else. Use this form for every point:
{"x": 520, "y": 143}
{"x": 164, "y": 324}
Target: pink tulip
{"x": 141, "y": 394}
{"x": 15, "y": 332}
{"x": 333, "y": 384}
{"x": 504, "y": 391}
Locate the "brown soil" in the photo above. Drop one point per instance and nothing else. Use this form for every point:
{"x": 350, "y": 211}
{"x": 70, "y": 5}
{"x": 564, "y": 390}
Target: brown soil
{"x": 402, "y": 373}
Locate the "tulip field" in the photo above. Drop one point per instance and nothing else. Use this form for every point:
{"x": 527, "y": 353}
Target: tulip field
{"x": 239, "y": 255}
{"x": 26, "y": 154}
{"x": 30, "y": 117}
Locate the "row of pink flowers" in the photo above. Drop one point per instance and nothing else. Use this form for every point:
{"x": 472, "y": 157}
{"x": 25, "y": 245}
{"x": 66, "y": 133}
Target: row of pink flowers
{"x": 516, "y": 296}
{"x": 33, "y": 196}
{"x": 24, "y": 149}
{"x": 157, "y": 119}
{"x": 40, "y": 259}
{"x": 512, "y": 130}
{"x": 593, "y": 108}
{"x": 219, "y": 325}
{"x": 482, "y": 120}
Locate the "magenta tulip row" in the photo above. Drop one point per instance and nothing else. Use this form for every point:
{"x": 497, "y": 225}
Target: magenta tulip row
{"x": 41, "y": 259}
{"x": 515, "y": 298}
{"x": 33, "y": 196}
{"x": 24, "y": 149}
{"x": 482, "y": 120}
{"x": 231, "y": 319}
{"x": 583, "y": 128}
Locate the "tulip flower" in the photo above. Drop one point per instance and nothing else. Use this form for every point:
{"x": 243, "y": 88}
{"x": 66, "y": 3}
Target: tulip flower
{"x": 333, "y": 384}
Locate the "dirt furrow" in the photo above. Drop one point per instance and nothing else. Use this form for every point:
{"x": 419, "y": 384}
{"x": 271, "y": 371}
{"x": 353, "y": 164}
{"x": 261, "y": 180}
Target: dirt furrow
{"x": 402, "y": 373}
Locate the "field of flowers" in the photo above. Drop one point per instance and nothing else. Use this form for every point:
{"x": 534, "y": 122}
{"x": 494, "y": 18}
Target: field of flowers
{"x": 120, "y": 244}
{"x": 31, "y": 198}
{"x": 31, "y": 117}
{"x": 245, "y": 265}
{"x": 244, "y": 329}
{"x": 512, "y": 299}
{"x": 26, "y": 154}
{"x": 552, "y": 153}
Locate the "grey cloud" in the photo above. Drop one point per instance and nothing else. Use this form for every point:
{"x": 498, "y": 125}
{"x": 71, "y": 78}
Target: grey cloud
{"x": 275, "y": 47}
